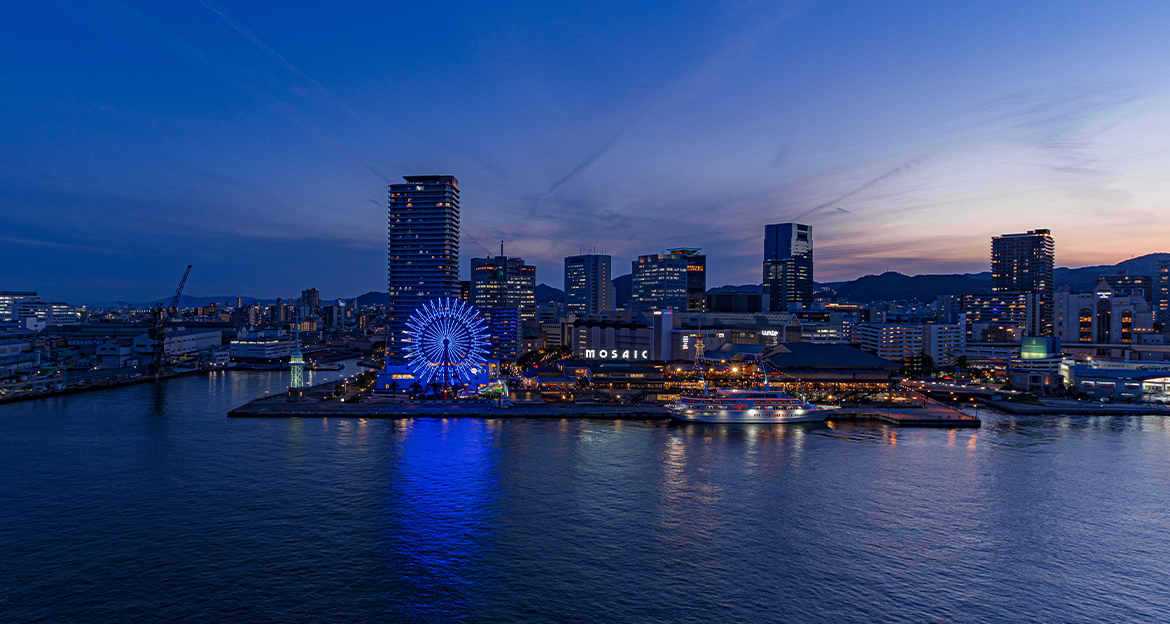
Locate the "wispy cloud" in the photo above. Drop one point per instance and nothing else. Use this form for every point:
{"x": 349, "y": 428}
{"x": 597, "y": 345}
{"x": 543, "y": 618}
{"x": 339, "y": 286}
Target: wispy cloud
{"x": 279, "y": 59}
{"x": 694, "y": 81}
{"x": 230, "y": 75}
{"x": 860, "y": 189}
{"x": 32, "y": 242}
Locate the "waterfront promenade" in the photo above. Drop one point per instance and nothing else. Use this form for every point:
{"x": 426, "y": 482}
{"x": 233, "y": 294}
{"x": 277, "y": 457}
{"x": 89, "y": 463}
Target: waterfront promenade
{"x": 319, "y": 404}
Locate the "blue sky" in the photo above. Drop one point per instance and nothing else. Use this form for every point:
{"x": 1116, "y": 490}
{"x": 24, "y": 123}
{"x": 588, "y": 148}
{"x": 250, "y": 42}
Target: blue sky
{"x": 255, "y": 140}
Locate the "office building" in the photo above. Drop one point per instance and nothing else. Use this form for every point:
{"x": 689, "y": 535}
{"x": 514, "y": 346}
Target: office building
{"x": 1024, "y": 263}
{"x": 1162, "y": 292}
{"x": 902, "y": 342}
{"x": 888, "y": 340}
{"x": 660, "y": 282}
{"x": 942, "y": 341}
{"x": 504, "y": 332}
{"x": 333, "y": 315}
{"x": 699, "y": 334}
{"x": 503, "y": 282}
{"x": 696, "y": 276}
{"x": 781, "y": 285}
{"x": 310, "y": 299}
{"x": 788, "y": 266}
{"x": 624, "y": 336}
{"x": 1126, "y": 285}
{"x": 947, "y": 308}
{"x": 992, "y": 316}
{"x": 422, "y": 249}
{"x": 48, "y": 312}
{"x": 741, "y": 302}
{"x": 587, "y": 285}
{"x": 550, "y": 312}
{"x": 10, "y": 301}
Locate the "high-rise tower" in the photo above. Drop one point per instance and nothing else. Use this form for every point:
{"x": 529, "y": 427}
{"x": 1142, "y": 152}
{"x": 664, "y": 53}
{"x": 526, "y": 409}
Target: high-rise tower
{"x": 659, "y": 282}
{"x": 587, "y": 284}
{"x": 696, "y": 276}
{"x": 503, "y": 282}
{"x": 788, "y": 265}
{"x": 422, "y": 249}
{"x": 1023, "y": 263}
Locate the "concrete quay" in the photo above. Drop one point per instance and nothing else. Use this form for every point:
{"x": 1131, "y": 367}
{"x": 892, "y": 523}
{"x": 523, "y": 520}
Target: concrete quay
{"x": 931, "y": 415}
{"x": 1071, "y": 407}
{"x": 278, "y": 407}
{"x": 927, "y": 416}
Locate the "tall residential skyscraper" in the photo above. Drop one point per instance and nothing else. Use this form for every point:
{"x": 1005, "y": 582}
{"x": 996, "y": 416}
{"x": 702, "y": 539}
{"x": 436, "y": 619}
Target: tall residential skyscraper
{"x": 422, "y": 249}
{"x": 788, "y": 265}
{"x": 1162, "y": 292}
{"x": 587, "y": 284}
{"x": 1023, "y": 263}
{"x": 659, "y": 282}
{"x": 696, "y": 276}
{"x": 503, "y": 282}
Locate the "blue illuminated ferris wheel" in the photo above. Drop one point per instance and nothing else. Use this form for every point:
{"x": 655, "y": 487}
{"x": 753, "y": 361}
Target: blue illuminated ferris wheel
{"x": 447, "y": 339}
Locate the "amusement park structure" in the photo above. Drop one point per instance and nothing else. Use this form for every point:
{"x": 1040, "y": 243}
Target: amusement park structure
{"x": 447, "y": 345}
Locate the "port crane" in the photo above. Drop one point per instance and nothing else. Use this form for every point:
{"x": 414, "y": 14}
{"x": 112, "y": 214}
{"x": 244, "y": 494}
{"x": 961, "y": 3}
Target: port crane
{"x": 158, "y": 333}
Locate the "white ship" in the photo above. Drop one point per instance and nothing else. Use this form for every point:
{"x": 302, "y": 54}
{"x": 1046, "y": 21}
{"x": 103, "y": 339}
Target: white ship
{"x": 750, "y": 405}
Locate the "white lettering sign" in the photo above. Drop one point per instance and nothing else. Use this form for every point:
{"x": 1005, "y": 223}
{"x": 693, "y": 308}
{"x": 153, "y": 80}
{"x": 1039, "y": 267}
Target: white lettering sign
{"x": 615, "y": 354}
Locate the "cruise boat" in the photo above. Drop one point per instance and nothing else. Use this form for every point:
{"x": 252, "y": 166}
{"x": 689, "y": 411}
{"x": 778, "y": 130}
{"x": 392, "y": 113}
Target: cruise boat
{"x": 747, "y": 405}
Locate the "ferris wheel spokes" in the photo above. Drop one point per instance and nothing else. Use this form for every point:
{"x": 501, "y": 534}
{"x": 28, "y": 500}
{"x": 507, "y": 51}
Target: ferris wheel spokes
{"x": 448, "y": 339}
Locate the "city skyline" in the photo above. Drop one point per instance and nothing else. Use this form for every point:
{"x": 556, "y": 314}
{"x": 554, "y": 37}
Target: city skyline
{"x": 244, "y": 140}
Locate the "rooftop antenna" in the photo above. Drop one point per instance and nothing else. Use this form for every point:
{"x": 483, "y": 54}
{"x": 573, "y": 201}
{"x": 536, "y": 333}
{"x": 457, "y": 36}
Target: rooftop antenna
{"x": 501, "y": 249}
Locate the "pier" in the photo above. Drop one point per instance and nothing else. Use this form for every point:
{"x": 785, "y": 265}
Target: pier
{"x": 320, "y": 404}
{"x": 931, "y": 414}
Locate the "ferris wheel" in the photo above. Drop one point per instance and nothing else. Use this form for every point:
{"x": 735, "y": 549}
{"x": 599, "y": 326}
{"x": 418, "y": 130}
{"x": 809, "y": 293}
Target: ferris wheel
{"x": 447, "y": 343}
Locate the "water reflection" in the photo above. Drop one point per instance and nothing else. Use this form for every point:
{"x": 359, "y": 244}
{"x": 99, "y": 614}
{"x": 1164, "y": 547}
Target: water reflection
{"x": 443, "y": 478}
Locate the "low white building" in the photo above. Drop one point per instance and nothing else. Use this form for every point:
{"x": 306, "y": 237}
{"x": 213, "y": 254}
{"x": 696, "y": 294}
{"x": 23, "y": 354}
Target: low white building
{"x": 111, "y": 354}
{"x": 182, "y": 341}
{"x": 899, "y": 341}
{"x": 261, "y": 345}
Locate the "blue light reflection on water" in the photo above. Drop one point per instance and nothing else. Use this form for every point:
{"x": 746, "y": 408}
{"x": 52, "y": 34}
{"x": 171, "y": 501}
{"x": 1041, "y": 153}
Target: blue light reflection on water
{"x": 439, "y": 508}
{"x": 146, "y": 503}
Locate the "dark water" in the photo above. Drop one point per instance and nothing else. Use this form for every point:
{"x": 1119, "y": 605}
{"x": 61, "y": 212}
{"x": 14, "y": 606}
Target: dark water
{"x": 147, "y": 504}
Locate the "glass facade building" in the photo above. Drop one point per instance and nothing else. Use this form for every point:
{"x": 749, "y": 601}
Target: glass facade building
{"x": 587, "y": 285}
{"x": 503, "y": 282}
{"x": 659, "y": 282}
{"x": 788, "y": 265}
{"x": 696, "y": 277}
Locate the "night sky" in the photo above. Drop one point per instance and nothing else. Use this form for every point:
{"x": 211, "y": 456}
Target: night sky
{"x": 255, "y": 140}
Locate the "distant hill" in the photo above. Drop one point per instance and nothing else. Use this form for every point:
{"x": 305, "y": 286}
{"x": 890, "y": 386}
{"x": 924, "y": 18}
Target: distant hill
{"x": 1085, "y": 278}
{"x": 891, "y": 286}
{"x": 546, "y": 294}
{"x": 373, "y": 298}
{"x": 728, "y": 288}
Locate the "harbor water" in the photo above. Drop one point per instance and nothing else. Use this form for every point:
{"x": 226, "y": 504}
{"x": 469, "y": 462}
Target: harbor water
{"x": 146, "y": 503}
